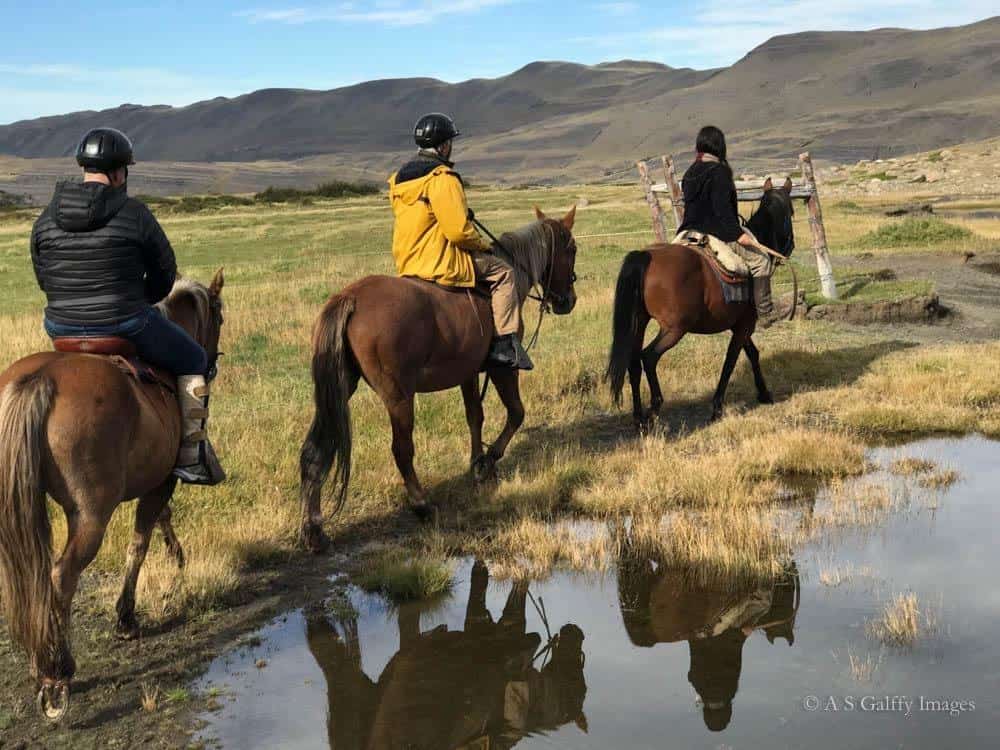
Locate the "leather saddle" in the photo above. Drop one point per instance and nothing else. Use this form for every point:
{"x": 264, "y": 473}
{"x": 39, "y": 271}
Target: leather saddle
{"x": 121, "y": 353}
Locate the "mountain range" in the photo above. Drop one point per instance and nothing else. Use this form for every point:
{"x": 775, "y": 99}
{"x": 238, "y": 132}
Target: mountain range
{"x": 842, "y": 95}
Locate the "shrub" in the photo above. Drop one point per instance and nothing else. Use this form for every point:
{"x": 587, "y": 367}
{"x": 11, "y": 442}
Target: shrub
{"x": 913, "y": 231}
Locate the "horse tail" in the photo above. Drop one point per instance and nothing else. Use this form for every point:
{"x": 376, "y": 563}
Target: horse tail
{"x": 328, "y": 444}
{"x": 26, "y": 591}
{"x": 629, "y": 311}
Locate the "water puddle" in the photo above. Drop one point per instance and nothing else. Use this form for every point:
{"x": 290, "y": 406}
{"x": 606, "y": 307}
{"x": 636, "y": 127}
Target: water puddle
{"x": 647, "y": 657}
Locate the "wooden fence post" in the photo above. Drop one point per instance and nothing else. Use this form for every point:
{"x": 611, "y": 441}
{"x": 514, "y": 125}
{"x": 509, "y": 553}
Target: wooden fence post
{"x": 676, "y": 196}
{"x": 654, "y": 203}
{"x": 829, "y": 286}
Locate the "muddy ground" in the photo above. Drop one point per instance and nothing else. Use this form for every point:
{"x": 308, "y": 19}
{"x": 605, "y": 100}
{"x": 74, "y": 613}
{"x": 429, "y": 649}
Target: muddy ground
{"x": 107, "y": 695}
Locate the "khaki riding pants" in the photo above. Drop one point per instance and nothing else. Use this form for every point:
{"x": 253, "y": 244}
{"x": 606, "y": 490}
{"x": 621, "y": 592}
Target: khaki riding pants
{"x": 733, "y": 256}
{"x": 495, "y": 275}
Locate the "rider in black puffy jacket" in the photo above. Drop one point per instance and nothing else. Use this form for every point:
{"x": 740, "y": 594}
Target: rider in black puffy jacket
{"x": 103, "y": 262}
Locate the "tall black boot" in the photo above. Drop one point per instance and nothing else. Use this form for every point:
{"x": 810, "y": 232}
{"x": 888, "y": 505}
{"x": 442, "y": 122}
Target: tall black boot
{"x": 766, "y": 315}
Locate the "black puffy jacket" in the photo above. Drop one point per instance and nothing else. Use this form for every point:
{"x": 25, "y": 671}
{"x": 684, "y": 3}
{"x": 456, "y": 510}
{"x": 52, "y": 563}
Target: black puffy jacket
{"x": 99, "y": 256}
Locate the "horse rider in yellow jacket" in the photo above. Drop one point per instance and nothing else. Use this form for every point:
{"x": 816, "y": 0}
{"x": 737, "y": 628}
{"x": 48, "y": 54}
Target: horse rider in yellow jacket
{"x": 434, "y": 239}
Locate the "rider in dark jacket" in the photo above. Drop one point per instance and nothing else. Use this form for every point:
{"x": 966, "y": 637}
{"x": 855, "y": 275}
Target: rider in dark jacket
{"x": 710, "y": 207}
{"x": 103, "y": 262}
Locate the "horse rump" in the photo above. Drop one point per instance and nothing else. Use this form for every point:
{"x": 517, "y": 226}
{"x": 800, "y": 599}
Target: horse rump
{"x": 630, "y": 318}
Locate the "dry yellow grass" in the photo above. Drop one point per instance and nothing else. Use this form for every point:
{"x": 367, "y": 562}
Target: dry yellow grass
{"x": 577, "y": 456}
{"x": 901, "y": 622}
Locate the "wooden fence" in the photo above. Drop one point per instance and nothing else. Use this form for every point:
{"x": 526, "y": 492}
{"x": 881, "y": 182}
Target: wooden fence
{"x": 803, "y": 188}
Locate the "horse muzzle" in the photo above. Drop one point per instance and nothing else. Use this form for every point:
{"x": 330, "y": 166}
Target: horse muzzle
{"x": 562, "y": 304}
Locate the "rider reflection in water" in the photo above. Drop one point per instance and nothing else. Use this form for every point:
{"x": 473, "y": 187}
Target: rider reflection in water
{"x": 487, "y": 686}
{"x": 660, "y": 604}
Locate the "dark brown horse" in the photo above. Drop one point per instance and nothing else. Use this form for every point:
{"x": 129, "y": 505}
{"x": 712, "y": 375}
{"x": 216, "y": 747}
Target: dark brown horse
{"x": 677, "y": 286}
{"x": 77, "y": 428}
{"x": 406, "y": 336}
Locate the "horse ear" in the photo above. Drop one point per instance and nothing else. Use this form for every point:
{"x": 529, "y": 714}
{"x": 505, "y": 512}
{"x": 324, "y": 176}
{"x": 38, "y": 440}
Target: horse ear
{"x": 218, "y": 281}
{"x": 768, "y": 185}
{"x": 570, "y": 218}
{"x": 787, "y": 187}
{"x": 582, "y": 724}
{"x": 538, "y": 214}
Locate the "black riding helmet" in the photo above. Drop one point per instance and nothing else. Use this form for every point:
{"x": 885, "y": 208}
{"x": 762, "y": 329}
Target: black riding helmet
{"x": 104, "y": 150}
{"x": 434, "y": 129}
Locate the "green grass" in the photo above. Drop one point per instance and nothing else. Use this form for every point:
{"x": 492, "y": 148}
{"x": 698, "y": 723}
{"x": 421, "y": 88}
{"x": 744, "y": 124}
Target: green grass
{"x": 401, "y": 578}
{"x": 177, "y": 695}
{"x": 914, "y": 231}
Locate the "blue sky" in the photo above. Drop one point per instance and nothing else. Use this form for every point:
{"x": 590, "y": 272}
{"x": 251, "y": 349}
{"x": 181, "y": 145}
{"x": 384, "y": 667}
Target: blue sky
{"x": 60, "y": 56}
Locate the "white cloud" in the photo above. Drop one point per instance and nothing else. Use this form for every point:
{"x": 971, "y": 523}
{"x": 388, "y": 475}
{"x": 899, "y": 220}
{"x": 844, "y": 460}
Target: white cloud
{"x": 387, "y": 12}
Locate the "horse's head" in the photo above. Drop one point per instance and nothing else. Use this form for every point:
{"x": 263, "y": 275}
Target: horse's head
{"x": 560, "y": 276}
{"x": 772, "y": 221}
{"x": 198, "y": 310}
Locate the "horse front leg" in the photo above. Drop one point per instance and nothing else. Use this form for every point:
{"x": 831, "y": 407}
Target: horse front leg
{"x": 147, "y": 514}
{"x": 732, "y": 354}
{"x": 474, "y": 416}
{"x": 509, "y": 390}
{"x": 753, "y": 354}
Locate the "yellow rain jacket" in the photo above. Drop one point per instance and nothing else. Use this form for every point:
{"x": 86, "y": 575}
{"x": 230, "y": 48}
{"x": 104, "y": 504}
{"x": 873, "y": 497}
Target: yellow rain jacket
{"x": 433, "y": 236}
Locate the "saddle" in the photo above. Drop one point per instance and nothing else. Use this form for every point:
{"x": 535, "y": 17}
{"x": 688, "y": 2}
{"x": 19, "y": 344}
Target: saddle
{"x": 479, "y": 290}
{"x": 121, "y": 353}
{"x": 729, "y": 267}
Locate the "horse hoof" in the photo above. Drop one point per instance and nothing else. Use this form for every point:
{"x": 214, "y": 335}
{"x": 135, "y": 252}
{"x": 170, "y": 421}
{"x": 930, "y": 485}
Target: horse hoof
{"x": 53, "y": 701}
{"x": 127, "y": 630}
{"x": 765, "y": 398}
{"x": 314, "y": 539}
{"x": 425, "y": 512}
{"x": 484, "y": 469}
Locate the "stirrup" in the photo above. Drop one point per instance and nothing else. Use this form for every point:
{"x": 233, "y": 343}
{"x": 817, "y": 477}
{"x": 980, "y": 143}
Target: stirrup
{"x": 206, "y": 472}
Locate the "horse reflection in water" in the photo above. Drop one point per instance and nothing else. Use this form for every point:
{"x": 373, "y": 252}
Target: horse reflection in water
{"x": 485, "y": 687}
{"x": 661, "y": 604}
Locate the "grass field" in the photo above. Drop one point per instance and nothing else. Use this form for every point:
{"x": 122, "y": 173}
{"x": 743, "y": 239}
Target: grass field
{"x": 837, "y": 390}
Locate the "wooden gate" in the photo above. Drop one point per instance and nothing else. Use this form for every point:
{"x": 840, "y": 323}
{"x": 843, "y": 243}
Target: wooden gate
{"x": 803, "y": 188}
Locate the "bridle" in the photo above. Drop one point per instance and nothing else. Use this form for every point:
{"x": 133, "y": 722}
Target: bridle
{"x": 545, "y": 296}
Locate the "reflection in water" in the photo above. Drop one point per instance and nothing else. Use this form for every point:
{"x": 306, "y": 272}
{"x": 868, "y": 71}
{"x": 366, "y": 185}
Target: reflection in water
{"x": 660, "y": 604}
{"x": 486, "y": 686}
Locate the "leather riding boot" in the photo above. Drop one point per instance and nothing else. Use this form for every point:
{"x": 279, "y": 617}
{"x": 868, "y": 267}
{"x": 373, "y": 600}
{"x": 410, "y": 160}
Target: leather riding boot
{"x": 766, "y": 315}
{"x": 196, "y": 460}
{"x": 506, "y": 351}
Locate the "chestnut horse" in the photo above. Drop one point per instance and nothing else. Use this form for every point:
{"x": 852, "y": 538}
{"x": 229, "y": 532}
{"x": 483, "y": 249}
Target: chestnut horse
{"x": 406, "y": 336}
{"x": 77, "y": 428}
{"x": 677, "y": 286}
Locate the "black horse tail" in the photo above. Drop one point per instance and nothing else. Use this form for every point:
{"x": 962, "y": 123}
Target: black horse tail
{"x": 328, "y": 444}
{"x": 629, "y": 319}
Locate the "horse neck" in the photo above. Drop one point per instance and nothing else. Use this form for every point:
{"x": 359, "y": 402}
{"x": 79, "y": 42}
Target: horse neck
{"x": 761, "y": 226}
{"x": 183, "y": 310}
{"x": 527, "y": 252}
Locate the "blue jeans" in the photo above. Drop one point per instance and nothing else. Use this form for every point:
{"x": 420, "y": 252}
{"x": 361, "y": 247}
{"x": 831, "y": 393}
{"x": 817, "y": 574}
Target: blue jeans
{"x": 157, "y": 340}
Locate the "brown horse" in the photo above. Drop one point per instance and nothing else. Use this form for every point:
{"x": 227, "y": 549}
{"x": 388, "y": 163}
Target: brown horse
{"x": 677, "y": 286}
{"x": 77, "y": 428}
{"x": 406, "y": 336}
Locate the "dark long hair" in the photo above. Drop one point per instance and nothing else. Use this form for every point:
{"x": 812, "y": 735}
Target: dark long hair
{"x": 712, "y": 141}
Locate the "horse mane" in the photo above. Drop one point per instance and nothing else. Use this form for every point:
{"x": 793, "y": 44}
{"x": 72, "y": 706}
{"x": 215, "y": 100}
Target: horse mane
{"x": 527, "y": 250}
{"x": 185, "y": 287}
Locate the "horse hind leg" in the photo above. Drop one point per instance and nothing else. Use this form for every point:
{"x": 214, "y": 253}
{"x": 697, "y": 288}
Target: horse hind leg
{"x": 147, "y": 516}
{"x": 401, "y": 417}
{"x": 665, "y": 340}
